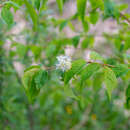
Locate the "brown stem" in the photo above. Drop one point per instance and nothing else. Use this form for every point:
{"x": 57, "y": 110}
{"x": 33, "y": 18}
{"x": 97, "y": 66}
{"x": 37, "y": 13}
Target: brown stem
{"x": 89, "y": 62}
{"x": 123, "y": 16}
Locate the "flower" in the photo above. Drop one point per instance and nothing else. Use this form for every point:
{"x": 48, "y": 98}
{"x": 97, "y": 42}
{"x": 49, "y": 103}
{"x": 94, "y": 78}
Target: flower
{"x": 64, "y": 63}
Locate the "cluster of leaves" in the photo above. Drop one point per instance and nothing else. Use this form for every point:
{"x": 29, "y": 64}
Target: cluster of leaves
{"x": 51, "y": 94}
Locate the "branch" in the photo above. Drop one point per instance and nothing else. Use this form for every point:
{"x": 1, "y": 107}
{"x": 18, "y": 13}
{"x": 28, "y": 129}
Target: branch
{"x": 123, "y": 16}
{"x": 108, "y": 65}
{"x": 88, "y": 62}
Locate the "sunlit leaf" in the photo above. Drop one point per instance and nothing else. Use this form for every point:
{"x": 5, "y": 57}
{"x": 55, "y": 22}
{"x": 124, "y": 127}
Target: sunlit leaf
{"x": 110, "y": 80}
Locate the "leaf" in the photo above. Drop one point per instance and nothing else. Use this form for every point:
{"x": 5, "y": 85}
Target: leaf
{"x": 12, "y": 3}
{"x": 76, "y": 68}
{"x": 37, "y": 4}
{"x": 71, "y": 26}
{"x": 82, "y": 102}
{"x": 43, "y": 5}
{"x": 7, "y": 16}
{"x": 81, "y": 8}
{"x": 110, "y": 9}
{"x": 60, "y": 5}
{"x": 21, "y": 50}
{"x": 63, "y": 24}
{"x": 31, "y": 67}
{"x": 120, "y": 69}
{"x": 128, "y": 97}
{"x": 50, "y": 50}
{"x": 122, "y": 7}
{"x": 97, "y": 81}
{"x": 110, "y": 80}
{"x": 69, "y": 92}
{"x": 85, "y": 25}
{"x": 28, "y": 75}
{"x": 87, "y": 41}
{"x": 75, "y": 40}
{"x": 94, "y": 16}
{"x": 33, "y": 79}
{"x": 128, "y": 91}
{"x": 36, "y": 50}
{"x": 41, "y": 78}
{"x": 88, "y": 71}
{"x": 97, "y": 4}
{"x": 32, "y": 14}
{"x": 95, "y": 56}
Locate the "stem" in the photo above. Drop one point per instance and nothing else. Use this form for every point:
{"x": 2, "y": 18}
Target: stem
{"x": 123, "y": 16}
{"x": 89, "y": 62}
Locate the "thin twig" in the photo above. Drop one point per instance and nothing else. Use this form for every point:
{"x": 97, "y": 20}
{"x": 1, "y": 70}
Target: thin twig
{"x": 89, "y": 62}
{"x": 123, "y": 16}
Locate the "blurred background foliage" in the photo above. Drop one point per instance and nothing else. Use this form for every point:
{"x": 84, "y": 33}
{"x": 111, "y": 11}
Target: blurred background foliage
{"x": 34, "y": 32}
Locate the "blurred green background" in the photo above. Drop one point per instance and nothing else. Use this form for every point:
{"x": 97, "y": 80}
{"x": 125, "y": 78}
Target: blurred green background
{"x": 34, "y": 32}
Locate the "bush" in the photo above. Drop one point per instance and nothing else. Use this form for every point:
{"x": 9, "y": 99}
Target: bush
{"x": 57, "y": 91}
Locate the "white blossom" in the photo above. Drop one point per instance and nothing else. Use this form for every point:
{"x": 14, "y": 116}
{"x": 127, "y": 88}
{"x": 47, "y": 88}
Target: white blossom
{"x": 64, "y": 63}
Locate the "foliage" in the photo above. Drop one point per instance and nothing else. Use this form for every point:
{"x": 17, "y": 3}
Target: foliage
{"x": 84, "y": 97}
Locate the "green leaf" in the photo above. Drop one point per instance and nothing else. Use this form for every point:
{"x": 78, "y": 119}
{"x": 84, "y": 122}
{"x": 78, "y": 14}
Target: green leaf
{"x": 128, "y": 97}
{"x": 128, "y": 91}
{"x": 32, "y": 67}
{"x": 21, "y": 50}
{"x": 110, "y": 9}
{"x": 7, "y": 16}
{"x": 120, "y": 69}
{"x": 87, "y": 41}
{"x": 76, "y": 68}
{"x": 28, "y": 75}
{"x": 69, "y": 92}
{"x": 37, "y": 4}
{"x": 14, "y": 4}
{"x": 32, "y": 14}
{"x": 97, "y": 4}
{"x": 43, "y": 5}
{"x": 88, "y": 71}
{"x": 82, "y": 102}
{"x": 122, "y": 7}
{"x": 63, "y": 24}
{"x": 110, "y": 80}
{"x": 60, "y": 5}
{"x": 50, "y": 50}
{"x": 81, "y": 8}
{"x": 94, "y": 16}
{"x": 75, "y": 40}
{"x": 71, "y": 26}
{"x": 33, "y": 79}
{"x": 41, "y": 78}
{"x": 36, "y": 50}
{"x": 95, "y": 56}
{"x": 127, "y": 42}
{"x": 85, "y": 25}
{"x": 97, "y": 81}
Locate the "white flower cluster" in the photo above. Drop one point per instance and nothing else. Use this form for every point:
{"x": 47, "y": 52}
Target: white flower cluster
{"x": 64, "y": 63}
